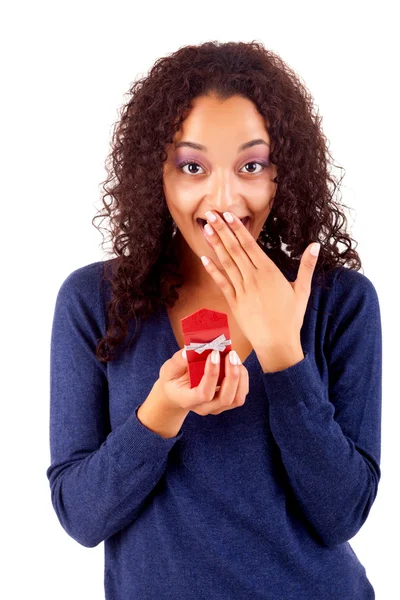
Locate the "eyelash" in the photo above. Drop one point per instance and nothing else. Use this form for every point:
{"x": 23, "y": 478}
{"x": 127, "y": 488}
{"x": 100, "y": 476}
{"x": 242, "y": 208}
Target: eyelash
{"x": 264, "y": 165}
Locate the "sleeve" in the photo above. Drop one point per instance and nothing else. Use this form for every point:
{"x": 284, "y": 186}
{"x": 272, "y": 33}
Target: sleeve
{"x": 329, "y": 439}
{"x": 99, "y": 479}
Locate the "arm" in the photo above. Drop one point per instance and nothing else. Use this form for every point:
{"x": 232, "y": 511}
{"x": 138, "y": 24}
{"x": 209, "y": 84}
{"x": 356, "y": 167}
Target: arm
{"x": 99, "y": 479}
{"x": 330, "y": 438}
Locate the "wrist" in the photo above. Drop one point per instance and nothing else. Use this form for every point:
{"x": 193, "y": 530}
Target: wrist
{"x": 280, "y": 358}
{"x": 159, "y": 415}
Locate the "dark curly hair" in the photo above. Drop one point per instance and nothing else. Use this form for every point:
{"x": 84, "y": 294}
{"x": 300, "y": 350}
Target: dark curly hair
{"x": 145, "y": 273}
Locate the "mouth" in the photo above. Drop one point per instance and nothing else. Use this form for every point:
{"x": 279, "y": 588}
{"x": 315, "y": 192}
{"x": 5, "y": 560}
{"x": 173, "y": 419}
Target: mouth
{"x": 245, "y": 220}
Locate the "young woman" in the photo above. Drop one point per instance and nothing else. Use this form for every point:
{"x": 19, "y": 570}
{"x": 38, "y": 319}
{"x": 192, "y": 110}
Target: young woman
{"x": 251, "y": 489}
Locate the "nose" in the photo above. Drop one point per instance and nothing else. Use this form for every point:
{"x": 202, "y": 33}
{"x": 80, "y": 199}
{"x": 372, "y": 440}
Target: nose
{"x": 222, "y": 196}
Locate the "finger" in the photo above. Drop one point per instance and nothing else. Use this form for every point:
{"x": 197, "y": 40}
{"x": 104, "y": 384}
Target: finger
{"x": 255, "y": 257}
{"x": 222, "y": 282}
{"x": 205, "y": 391}
{"x": 243, "y": 387}
{"x": 229, "y": 385}
{"x": 232, "y": 233}
{"x": 220, "y": 247}
{"x": 215, "y": 408}
{"x": 227, "y": 391}
{"x": 302, "y": 284}
{"x": 175, "y": 367}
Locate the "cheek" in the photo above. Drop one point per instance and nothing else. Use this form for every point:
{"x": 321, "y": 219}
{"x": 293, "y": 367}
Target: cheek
{"x": 181, "y": 207}
{"x": 179, "y": 199}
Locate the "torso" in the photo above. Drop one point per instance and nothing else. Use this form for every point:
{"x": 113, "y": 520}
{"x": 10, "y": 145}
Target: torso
{"x": 189, "y": 303}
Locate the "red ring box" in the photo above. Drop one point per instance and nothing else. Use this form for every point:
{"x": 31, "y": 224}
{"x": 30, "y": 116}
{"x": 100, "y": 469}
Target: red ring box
{"x": 203, "y": 327}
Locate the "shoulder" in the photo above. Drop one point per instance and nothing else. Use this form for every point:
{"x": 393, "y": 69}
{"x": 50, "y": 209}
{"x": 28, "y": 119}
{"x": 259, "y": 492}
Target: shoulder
{"x": 85, "y": 290}
{"x": 79, "y": 321}
{"x": 86, "y": 281}
{"x": 82, "y": 279}
{"x": 355, "y": 303}
{"x": 352, "y": 285}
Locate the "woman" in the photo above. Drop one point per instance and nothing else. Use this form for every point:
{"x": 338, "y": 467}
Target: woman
{"x": 252, "y": 489}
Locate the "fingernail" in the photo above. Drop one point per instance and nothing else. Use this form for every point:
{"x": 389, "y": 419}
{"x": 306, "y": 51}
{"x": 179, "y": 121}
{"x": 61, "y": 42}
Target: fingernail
{"x": 215, "y": 357}
{"x": 228, "y": 217}
{"x": 210, "y": 216}
{"x": 233, "y": 357}
{"x": 314, "y": 250}
{"x": 184, "y": 354}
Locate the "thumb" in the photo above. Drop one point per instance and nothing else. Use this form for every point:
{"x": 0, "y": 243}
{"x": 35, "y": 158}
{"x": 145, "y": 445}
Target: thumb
{"x": 303, "y": 283}
{"x": 176, "y": 366}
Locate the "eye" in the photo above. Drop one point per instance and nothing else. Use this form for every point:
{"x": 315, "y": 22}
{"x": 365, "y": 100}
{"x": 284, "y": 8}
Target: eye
{"x": 186, "y": 163}
{"x": 261, "y": 164}
{"x": 191, "y": 162}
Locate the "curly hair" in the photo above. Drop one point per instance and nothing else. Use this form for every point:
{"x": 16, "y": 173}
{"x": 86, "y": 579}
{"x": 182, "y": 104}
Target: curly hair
{"x": 145, "y": 274}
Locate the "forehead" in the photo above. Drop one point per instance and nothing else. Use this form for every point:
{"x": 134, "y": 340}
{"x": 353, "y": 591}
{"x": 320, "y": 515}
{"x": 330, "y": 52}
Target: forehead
{"x": 209, "y": 120}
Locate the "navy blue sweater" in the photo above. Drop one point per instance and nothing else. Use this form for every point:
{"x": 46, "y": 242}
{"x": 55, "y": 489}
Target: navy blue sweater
{"x": 259, "y": 502}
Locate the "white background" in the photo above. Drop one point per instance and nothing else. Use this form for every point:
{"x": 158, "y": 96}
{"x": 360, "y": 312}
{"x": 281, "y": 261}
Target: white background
{"x": 65, "y": 69}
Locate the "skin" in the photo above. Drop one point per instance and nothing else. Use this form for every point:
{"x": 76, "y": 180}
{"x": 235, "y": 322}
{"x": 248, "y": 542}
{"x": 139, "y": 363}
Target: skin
{"x": 222, "y": 179}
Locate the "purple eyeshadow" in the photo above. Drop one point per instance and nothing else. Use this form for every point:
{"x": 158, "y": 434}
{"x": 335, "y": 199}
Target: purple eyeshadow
{"x": 180, "y": 161}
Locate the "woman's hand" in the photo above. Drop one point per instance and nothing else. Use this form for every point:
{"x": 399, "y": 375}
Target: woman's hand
{"x": 205, "y": 398}
{"x": 268, "y": 308}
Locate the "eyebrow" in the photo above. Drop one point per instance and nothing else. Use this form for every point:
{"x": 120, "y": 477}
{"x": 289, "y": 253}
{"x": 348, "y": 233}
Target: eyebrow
{"x": 242, "y": 147}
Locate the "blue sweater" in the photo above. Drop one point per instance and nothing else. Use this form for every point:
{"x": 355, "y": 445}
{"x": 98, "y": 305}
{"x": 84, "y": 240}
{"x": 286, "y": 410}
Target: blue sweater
{"x": 259, "y": 502}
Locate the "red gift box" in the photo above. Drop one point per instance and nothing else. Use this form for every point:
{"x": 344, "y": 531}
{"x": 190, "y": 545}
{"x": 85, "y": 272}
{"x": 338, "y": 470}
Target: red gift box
{"x": 204, "y": 331}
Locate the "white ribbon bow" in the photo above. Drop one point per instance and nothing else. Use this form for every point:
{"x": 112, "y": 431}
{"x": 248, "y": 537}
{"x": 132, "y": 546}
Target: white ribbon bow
{"x": 219, "y": 343}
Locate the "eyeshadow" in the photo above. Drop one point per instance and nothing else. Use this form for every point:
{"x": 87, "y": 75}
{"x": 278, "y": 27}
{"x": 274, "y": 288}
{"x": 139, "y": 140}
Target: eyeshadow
{"x": 177, "y": 160}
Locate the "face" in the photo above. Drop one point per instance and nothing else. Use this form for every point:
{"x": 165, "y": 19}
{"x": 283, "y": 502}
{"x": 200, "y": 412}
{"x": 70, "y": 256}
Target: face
{"x": 220, "y": 176}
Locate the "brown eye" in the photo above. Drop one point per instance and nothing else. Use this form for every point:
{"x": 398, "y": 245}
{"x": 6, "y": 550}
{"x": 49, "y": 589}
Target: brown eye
{"x": 253, "y": 162}
{"x": 192, "y": 164}
{"x": 189, "y": 163}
